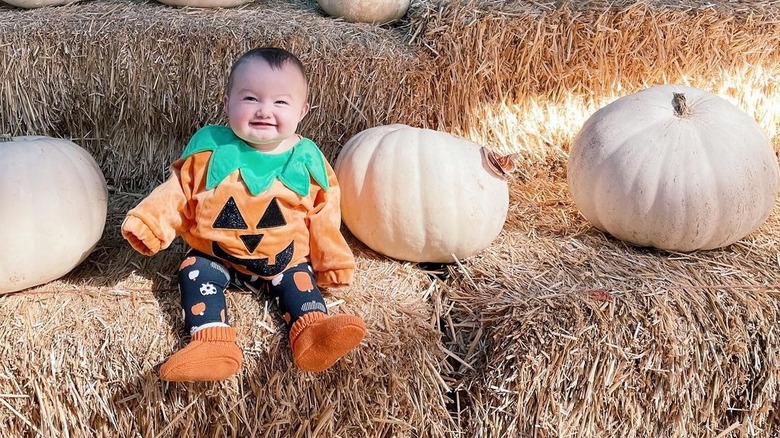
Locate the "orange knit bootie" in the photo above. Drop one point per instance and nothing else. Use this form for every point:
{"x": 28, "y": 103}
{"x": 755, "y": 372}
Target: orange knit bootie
{"x": 319, "y": 340}
{"x": 212, "y": 354}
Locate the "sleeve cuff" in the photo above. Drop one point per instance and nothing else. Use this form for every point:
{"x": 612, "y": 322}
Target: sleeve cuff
{"x": 140, "y": 237}
{"x": 335, "y": 277}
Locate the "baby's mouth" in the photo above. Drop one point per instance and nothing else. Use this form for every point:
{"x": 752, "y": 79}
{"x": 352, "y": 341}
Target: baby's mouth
{"x": 261, "y": 124}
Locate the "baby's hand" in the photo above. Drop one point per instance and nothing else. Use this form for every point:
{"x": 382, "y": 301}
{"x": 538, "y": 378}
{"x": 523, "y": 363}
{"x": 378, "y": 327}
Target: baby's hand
{"x": 141, "y": 238}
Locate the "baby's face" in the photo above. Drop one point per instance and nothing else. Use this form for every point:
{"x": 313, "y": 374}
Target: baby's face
{"x": 265, "y": 105}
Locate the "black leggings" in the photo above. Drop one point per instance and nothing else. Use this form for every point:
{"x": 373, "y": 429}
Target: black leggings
{"x": 203, "y": 280}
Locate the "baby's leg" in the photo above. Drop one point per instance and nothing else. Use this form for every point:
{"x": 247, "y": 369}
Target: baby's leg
{"x": 212, "y": 353}
{"x": 317, "y": 339}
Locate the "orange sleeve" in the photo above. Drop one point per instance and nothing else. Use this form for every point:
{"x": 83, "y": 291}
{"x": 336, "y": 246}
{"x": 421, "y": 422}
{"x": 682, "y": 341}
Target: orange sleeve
{"x": 331, "y": 257}
{"x": 154, "y": 223}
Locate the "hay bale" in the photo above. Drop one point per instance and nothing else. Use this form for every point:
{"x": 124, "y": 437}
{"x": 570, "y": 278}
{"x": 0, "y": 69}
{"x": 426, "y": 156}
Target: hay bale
{"x": 131, "y": 81}
{"x": 554, "y": 330}
{"x": 561, "y": 330}
{"x": 528, "y": 74}
{"x": 81, "y": 356}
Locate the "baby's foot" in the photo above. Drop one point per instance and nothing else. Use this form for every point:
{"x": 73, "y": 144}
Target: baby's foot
{"x": 319, "y": 340}
{"x": 212, "y": 354}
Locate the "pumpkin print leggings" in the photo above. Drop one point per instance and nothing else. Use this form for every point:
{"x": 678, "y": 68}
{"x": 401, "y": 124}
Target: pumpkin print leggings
{"x": 203, "y": 280}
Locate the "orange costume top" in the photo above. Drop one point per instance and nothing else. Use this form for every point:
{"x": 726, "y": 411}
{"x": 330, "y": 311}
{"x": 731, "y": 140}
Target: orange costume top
{"x": 260, "y": 213}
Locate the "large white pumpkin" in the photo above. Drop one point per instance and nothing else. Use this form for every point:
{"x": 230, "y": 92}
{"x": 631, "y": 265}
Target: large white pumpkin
{"x": 675, "y": 168}
{"x": 53, "y": 202}
{"x": 420, "y": 195}
{"x": 366, "y": 11}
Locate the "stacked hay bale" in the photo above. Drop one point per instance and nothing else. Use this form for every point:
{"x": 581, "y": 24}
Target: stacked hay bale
{"x": 82, "y": 358}
{"x": 536, "y": 70}
{"x": 555, "y": 330}
{"x": 515, "y": 75}
{"x": 561, "y": 331}
{"x": 133, "y": 80}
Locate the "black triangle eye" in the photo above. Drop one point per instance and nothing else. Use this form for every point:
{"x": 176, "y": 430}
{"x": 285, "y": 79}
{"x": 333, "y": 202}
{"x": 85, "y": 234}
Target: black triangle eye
{"x": 230, "y": 217}
{"x": 272, "y": 217}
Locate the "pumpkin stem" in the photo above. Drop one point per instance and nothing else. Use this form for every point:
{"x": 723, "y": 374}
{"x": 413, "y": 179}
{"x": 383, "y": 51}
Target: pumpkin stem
{"x": 681, "y": 108}
{"x": 501, "y": 166}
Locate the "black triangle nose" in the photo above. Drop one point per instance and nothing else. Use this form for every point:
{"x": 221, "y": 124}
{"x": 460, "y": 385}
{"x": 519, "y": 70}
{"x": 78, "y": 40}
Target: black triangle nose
{"x": 251, "y": 241}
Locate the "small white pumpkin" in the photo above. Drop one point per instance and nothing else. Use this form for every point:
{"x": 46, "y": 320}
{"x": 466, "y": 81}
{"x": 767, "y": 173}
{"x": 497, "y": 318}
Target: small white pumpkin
{"x": 675, "y": 168}
{"x": 54, "y": 202}
{"x": 420, "y": 195}
{"x": 205, "y": 3}
{"x": 32, "y": 4}
{"x": 366, "y": 11}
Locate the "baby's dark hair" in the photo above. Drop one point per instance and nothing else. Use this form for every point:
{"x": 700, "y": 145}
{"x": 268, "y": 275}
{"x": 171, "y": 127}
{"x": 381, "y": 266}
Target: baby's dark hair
{"x": 274, "y": 56}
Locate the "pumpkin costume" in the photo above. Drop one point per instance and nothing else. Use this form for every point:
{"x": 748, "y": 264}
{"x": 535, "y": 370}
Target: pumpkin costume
{"x": 262, "y": 219}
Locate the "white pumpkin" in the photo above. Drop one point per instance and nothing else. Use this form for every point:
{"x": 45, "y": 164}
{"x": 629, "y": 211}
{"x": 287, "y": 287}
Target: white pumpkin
{"x": 204, "y": 3}
{"x": 32, "y": 4}
{"x": 420, "y": 195}
{"x": 675, "y": 168}
{"x": 366, "y": 11}
{"x": 54, "y": 203}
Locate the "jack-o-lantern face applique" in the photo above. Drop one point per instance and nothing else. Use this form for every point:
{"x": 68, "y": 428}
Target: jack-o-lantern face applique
{"x": 230, "y": 218}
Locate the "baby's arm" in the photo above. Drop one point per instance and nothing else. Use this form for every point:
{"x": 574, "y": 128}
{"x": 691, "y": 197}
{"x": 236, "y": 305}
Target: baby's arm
{"x": 155, "y": 222}
{"x": 331, "y": 257}
{"x": 151, "y": 225}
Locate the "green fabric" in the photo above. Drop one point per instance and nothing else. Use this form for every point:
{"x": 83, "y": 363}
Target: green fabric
{"x": 294, "y": 168}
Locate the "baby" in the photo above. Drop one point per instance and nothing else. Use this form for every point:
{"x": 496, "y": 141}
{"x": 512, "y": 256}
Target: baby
{"x": 259, "y": 205}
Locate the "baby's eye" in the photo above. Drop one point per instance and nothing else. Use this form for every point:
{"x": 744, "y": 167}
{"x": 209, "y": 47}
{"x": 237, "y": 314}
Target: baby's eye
{"x": 281, "y": 102}
{"x": 250, "y": 98}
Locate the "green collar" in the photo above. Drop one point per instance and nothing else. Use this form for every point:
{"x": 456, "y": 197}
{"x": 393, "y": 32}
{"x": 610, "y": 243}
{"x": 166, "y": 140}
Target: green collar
{"x": 294, "y": 168}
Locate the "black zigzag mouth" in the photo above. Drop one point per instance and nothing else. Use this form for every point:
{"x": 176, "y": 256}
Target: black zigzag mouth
{"x": 258, "y": 266}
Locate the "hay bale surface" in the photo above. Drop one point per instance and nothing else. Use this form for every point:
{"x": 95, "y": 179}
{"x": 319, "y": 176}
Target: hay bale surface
{"x": 564, "y": 331}
{"x": 132, "y": 80}
{"x": 81, "y": 356}
{"x": 537, "y": 70}
{"x": 555, "y": 330}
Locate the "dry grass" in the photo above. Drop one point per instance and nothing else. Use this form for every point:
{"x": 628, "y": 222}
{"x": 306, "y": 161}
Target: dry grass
{"x": 132, "y": 80}
{"x": 81, "y": 357}
{"x": 537, "y": 70}
{"x": 564, "y": 331}
{"x": 555, "y": 330}
{"x": 82, "y": 353}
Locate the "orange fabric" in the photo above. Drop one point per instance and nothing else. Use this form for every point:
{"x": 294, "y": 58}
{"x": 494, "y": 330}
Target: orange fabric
{"x": 211, "y": 355}
{"x": 183, "y": 206}
{"x": 319, "y": 340}
{"x": 334, "y": 277}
